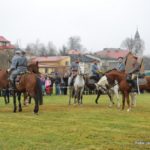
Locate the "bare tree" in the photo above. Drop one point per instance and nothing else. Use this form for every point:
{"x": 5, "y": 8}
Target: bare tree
{"x": 51, "y": 49}
{"x": 128, "y": 43}
{"x": 135, "y": 45}
{"x": 63, "y": 50}
{"x": 74, "y": 42}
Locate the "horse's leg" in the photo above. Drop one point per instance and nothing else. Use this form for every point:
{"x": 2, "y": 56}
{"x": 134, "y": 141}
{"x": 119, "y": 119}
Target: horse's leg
{"x": 116, "y": 91}
{"x": 133, "y": 100}
{"x": 123, "y": 101}
{"x": 128, "y": 102}
{"x": 110, "y": 97}
{"x": 14, "y": 101}
{"x": 81, "y": 96}
{"x": 25, "y": 98}
{"x": 98, "y": 95}
{"x": 70, "y": 95}
{"x": 36, "y": 108}
{"x": 30, "y": 99}
{"x": 19, "y": 101}
{"x": 8, "y": 98}
{"x": 5, "y": 99}
{"x": 75, "y": 96}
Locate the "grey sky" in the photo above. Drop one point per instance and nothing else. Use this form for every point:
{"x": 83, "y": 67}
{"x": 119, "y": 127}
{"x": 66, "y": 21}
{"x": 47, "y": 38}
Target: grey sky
{"x": 99, "y": 23}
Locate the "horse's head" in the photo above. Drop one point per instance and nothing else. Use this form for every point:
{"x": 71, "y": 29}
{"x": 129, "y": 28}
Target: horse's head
{"x": 80, "y": 72}
{"x": 33, "y": 67}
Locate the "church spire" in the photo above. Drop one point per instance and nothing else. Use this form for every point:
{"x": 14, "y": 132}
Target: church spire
{"x": 137, "y": 35}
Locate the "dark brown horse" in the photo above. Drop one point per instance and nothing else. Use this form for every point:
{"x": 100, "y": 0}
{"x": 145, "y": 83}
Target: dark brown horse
{"x": 29, "y": 83}
{"x": 4, "y": 83}
{"x": 124, "y": 86}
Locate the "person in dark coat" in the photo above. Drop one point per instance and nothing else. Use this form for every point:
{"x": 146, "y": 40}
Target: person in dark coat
{"x": 19, "y": 65}
{"x": 65, "y": 78}
{"x": 121, "y": 65}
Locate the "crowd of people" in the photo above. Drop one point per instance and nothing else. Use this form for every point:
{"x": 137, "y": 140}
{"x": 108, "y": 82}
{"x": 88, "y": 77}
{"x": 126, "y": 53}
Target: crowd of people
{"x": 54, "y": 85}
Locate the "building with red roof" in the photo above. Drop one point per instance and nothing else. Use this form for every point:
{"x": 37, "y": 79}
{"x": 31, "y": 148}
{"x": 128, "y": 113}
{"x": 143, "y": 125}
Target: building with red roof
{"x": 112, "y": 53}
{"x": 73, "y": 52}
{"x": 6, "y": 52}
{"x": 5, "y": 44}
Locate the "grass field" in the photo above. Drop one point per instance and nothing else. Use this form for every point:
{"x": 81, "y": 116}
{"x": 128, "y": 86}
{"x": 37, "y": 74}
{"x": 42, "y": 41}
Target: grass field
{"x": 87, "y": 127}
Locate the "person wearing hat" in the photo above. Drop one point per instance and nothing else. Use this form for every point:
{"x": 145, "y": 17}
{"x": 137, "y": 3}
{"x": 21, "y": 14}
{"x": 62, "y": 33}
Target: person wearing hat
{"x": 74, "y": 71}
{"x": 95, "y": 69}
{"x": 19, "y": 64}
{"x": 13, "y": 67}
{"x": 121, "y": 65}
{"x": 134, "y": 73}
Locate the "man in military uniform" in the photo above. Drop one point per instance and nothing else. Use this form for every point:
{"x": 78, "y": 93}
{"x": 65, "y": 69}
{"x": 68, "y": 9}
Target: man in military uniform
{"x": 134, "y": 73}
{"x": 22, "y": 63}
{"x": 13, "y": 67}
{"x": 19, "y": 64}
{"x": 74, "y": 71}
{"x": 121, "y": 65}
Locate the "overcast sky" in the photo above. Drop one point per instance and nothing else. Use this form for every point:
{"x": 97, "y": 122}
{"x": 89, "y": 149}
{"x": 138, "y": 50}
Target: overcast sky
{"x": 99, "y": 23}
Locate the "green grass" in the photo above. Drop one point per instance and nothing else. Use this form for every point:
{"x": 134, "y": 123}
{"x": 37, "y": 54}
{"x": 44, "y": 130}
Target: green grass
{"x": 87, "y": 127}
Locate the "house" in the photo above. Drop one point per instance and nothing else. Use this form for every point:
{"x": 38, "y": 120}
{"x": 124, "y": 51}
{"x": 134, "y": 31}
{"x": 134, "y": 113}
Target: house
{"x": 49, "y": 64}
{"x": 73, "y": 52}
{"x": 112, "y": 53}
{"x": 6, "y": 52}
{"x": 109, "y": 57}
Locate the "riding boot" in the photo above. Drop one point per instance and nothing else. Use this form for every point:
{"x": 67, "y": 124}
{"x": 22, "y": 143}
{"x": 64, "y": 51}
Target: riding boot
{"x": 134, "y": 86}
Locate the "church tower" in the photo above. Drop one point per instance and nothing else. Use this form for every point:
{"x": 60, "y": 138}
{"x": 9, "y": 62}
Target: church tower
{"x": 138, "y": 44}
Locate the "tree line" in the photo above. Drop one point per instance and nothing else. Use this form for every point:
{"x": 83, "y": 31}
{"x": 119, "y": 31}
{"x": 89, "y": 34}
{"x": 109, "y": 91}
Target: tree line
{"x": 40, "y": 49}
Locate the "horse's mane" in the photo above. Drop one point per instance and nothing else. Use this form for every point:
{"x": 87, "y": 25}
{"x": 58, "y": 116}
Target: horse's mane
{"x": 110, "y": 70}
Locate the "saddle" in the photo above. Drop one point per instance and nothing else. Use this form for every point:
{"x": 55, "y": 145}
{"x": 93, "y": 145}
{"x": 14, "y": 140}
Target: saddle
{"x": 93, "y": 80}
{"x": 17, "y": 80}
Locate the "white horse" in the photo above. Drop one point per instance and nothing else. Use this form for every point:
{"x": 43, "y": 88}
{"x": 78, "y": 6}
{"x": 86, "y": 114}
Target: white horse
{"x": 77, "y": 89}
{"x": 102, "y": 87}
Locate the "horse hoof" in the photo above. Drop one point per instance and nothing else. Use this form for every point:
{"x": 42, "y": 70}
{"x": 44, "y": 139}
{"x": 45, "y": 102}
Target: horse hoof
{"x": 35, "y": 113}
{"x": 110, "y": 106}
{"x": 128, "y": 110}
{"x": 96, "y": 102}
{"x": 20, "y": 110}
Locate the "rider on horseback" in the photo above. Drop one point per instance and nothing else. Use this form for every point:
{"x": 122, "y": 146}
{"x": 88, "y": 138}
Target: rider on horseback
{"x": 134, "y": 73}
{"x": 19, "y": 64}
{"x": 95, "y": 70}
{"x": 74, "y": 71}
{"x": 121, "y": 65}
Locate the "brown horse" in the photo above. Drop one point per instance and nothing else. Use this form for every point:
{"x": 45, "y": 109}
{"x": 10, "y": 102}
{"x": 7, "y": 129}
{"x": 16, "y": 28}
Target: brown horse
{"x": 4, "y": 83}
{"x": 124, "y": 86}
{"x": 29, "y": 83}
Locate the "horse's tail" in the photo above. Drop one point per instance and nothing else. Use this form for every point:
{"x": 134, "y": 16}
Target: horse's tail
{"x": 39, "y": 91}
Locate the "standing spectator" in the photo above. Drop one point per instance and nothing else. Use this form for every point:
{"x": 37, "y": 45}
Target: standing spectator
{"x": 51, "y": 86}
{"x": 47, "y": 86}
{"x": 65, "y": 78}
{"x": 62, "y": 85}
{"x": 43, "y": 83}
{"x": 57, "y": 84}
